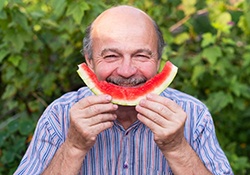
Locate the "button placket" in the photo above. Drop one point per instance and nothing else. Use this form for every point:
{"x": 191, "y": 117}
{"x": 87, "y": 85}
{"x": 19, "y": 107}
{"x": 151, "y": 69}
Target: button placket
{"x": 125, "y": 158}
{"x": 125, "y": 165}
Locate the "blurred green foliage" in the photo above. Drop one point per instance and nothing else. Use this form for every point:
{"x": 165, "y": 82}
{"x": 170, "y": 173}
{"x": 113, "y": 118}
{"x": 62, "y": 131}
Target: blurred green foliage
{"x": 40, "y": 49}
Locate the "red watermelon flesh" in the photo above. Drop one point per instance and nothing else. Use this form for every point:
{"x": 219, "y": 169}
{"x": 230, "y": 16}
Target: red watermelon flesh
{"x": 128, "y": 96}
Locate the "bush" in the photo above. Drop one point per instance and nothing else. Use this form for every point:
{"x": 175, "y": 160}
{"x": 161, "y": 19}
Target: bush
{"x": 40, "y": 50}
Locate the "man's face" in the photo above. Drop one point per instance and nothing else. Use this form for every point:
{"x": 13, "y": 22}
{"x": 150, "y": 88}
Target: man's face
{"x": 124, "y": 53}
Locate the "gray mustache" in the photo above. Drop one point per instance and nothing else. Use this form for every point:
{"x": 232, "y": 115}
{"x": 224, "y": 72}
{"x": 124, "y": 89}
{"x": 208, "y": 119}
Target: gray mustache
{"x": 131, "y": 81}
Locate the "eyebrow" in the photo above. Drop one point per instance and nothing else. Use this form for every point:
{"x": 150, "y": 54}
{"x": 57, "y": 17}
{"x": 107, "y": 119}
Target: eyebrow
{"x": 147, "y": 51}
{"x": 109, "y": 50}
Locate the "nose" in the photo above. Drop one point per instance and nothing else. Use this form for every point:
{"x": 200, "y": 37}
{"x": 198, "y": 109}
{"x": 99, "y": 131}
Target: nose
{"x": 126, "y": 68}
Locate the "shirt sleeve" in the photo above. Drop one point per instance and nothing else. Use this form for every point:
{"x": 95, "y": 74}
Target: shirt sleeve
{"x": 208, "y": 149}
{"x": 42, "y": 148}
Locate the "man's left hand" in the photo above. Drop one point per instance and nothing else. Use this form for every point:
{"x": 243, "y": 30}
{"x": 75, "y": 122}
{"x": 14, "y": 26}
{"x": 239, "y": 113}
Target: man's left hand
{"x": 166, "y": 119}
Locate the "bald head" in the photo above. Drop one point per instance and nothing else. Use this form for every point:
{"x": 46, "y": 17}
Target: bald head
{"x": 122, "y": 21}
{"x": 122, "y": 13}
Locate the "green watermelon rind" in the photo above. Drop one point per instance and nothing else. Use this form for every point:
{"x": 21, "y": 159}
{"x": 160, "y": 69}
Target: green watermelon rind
{"x": 85, "y": 74}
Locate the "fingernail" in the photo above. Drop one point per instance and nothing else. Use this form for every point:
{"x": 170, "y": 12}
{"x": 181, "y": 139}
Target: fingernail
{"x": 115, "y": 106}
{"x": 142, "y": 102}
{"x": 115, "y": 116}
{"x": 149, "y": 95}
{"x": 108, "y": 97}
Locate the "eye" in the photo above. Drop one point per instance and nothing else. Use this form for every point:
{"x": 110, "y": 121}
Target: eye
{"x": 142, "y": 56}
{"x": 111, "y": 56}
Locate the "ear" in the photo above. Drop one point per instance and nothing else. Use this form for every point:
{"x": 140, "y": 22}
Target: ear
{"x": 89, "y": 62}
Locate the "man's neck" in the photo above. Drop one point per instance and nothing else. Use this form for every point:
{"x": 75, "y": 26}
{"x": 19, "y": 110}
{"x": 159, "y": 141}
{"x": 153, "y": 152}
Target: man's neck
{"x": 126, "y": 116}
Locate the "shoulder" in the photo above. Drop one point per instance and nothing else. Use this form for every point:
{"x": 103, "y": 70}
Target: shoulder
{"x": 74, "y": 96}
{"x": 68, "y": 99}
{"x": 61, "y": 105}
{"x": 181, "y": 97}
{"x": 56, "y": 115}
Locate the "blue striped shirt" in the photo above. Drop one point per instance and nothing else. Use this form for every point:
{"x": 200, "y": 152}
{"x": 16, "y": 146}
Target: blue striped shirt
{"x": 123, "y": 152}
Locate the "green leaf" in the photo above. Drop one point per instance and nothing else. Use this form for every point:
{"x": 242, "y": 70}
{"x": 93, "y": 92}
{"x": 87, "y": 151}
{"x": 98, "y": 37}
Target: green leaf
{"x": 197, "y": 72}
{"x": 243, "y": 25}
{"x": 26, "y": 126}
{"x": 17, "y": 39}
{"x": 11, "y": 105}
{"x": 2, "y": 2}
{"x": 3, "y": 14}
{"x": 23, "y": 66}
{"x": 8, "y": 74}
{"x": 10, "y": 91}
{"x": 247, "y": 14}
{"x": 3, "y": 137}
{"x": 48, "y": 83}
{"x": 77, "y": 10}
{"x": 212, "y": 54}
{"x": 207, "y": 39}
{"x": 37, "y": 14}
{"x": 15, "y": 59}
{"x": 13, "y": 126}
{"x": 19, "y": 145}
{"x": 240, "y": 89}
{"x": 33, "y": 106}
{"x": 222, "y": 21}
{"x": 69, "y": 25}
{"x": 189, "y": 6}
{"x": 239, "y": 103}
{"x": 21, "y": 19}
{"x": 49, "y": 22}
{"x": 229, "y": 41}
{"x": 7, "y": 157}
{"x": 246, "y": 59}
{"x": 68, "y": 50}
{"x": 181, "y": 38}
{"x": 218, "y": 100}
{"x": 58, "y": 6}
{"x": 3, "y": 54}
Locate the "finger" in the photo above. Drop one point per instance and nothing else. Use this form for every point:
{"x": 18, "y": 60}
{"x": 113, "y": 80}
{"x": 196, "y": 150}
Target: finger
{"x": 168, "y": 108}
{"x": 102, "y": 118}
{"x": 98, "y": 109}
{"x": 98, "y": 128}
{"x": 163, "y": 111}
{"x": 91, "y": 100}
{"x": 165, "y": 101}
{"x": 151, "y": 125}
{"x": 151, "y": 115}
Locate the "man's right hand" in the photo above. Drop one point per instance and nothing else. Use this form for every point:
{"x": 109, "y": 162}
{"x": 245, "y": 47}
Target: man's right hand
{"x": 88, "y": 118}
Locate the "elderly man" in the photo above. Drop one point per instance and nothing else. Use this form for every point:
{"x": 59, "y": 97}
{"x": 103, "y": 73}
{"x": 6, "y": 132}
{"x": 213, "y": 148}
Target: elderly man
{"x": 82, "y": 133}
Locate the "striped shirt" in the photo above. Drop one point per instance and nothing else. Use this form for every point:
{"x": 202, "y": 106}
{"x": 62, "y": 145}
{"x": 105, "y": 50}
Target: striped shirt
{"x": 123, "y": 152}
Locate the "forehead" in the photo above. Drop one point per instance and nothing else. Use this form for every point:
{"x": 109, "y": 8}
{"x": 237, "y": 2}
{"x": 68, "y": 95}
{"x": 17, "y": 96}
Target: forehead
{"x": 124, "y": 24}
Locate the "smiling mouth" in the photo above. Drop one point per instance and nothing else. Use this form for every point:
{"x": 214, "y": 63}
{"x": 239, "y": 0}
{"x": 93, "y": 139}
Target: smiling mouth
{"x": 127, "y": 82}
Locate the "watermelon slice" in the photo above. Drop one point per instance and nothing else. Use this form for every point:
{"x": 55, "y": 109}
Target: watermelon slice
{"x": 128, "y": 96}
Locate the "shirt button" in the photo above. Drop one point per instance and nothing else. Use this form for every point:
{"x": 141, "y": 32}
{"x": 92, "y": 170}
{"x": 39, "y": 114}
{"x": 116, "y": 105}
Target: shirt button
{"x": 125, "y": 165}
